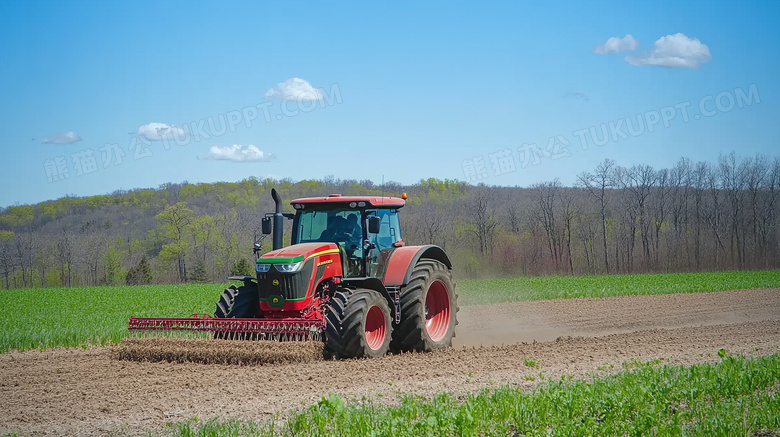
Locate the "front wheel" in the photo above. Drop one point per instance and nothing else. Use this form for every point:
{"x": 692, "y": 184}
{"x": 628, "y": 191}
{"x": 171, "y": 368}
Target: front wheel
{"x": 237, "y": 303}
{"x": 357, "y": 324}
{"x": 429, "y": 307}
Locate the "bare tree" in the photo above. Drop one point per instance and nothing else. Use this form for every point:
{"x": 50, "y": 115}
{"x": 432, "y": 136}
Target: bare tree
{"x": 483, "y": 218}
{"x": 732, "y": 175}
{"x": 597, "y": 184}
{"x": 88, "y": 248}
{"x": 430, "y": 223}
{"x": 513, "y": 215}
{"x": 43, "y": 257}
{"x": 625, "y": 223}
{"x": 23, "y": 249}
{"x": 547, "y": 198}
{"x": 660, "y": 207}
{"x": 680, "y": 184}
{"x": 768, "y": 225}
{"x": 6, "y": 257}
{"x": 65, "y": 254}
{"x": 588, "y": 230}
{"x": 568, "y": 212}
{"x": 713, "y": 212}
{"x": 699, "y": 179}
{"x": 756, "y": 172}
{"x": 637, "y": 182}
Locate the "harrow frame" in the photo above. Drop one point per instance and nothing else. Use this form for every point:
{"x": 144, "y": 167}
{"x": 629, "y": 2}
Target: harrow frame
{"x": 282, "y": 329}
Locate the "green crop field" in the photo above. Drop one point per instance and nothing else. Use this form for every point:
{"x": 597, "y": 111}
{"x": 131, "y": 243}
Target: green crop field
{"x": 483, "y": 291}
{"x": 56, "y": 317}
{"x": 63, "y": 317}
{"x": 736, "y": 397}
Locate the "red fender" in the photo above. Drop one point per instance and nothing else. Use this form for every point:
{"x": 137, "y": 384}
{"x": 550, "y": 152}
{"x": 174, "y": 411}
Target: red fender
{"x": 402, "y": 261}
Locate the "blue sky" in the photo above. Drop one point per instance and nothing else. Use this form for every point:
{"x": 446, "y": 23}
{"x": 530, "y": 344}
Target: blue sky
{"x": 104, "y": 96}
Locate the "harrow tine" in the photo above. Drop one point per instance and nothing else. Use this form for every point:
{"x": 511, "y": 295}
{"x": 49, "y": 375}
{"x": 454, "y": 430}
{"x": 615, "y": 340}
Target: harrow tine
{"x": 229, "y": 329}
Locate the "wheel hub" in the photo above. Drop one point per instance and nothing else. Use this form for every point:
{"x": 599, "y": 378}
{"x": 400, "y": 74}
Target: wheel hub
{"x": 376, "y": 329}
{"x": 437, "y": 311}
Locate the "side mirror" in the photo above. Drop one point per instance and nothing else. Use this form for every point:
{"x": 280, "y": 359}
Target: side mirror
{"x": 373, "y": 224}
{"x": 266, "y": 225}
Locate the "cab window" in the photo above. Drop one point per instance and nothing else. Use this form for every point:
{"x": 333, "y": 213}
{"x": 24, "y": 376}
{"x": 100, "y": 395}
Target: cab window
{"x": 311, "y": 224}
{"x": 331, "y": 225}
{"x": 389, "y": 229}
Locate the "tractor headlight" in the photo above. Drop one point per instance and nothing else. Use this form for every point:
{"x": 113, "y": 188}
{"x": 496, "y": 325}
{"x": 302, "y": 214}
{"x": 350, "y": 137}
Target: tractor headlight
{"x": 289, "y": 268}
{"x": 262, "y": 268}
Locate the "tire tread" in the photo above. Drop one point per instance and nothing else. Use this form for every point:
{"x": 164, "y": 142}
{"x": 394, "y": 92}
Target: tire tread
{"x": 411, "y": 334}
{"x": 345, "y": 324}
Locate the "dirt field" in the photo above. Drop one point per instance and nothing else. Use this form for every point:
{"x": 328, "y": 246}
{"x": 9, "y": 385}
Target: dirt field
{"x": 89, "y": 392}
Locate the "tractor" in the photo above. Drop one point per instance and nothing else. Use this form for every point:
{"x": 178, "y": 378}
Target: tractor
{"x": 347, "y": 279}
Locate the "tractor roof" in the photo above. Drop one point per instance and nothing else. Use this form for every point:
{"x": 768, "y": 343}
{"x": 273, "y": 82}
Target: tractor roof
{"x": 337, "y": 200}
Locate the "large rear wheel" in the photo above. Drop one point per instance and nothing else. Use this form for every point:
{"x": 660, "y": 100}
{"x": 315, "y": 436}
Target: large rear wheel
{"x": 429, "y": 307}
{"x": 357, "y": 325}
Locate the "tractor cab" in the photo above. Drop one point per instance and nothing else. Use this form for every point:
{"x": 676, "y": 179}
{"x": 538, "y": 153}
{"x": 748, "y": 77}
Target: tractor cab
{"x": 366, "y": 229}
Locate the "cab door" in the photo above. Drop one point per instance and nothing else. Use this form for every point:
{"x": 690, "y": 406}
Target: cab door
{"x": 383, "y": 243}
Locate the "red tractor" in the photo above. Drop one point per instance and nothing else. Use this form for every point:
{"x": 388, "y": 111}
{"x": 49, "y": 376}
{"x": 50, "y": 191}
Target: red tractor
{"x": 346, "y": 279}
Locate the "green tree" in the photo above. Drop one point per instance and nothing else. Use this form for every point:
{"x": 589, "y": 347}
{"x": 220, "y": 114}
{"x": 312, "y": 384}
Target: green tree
{"x": 175, "y": 224}
{"x": 112, "y": 262}
{"x": 242, "y": 268}
{"x": 140, "y": 274}
{"x": 205, "y": 236}
{"x": 199, "y": 272}
{"x": 169, "y": 257}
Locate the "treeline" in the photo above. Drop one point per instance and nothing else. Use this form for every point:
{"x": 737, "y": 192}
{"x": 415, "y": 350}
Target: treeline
{"x": 692, "y": 217}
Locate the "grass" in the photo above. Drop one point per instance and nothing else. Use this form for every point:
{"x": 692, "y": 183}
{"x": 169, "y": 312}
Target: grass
{"x": 737, "y": 396}
{"x": 495, "y": 290}
{"x": 57, "y": 317}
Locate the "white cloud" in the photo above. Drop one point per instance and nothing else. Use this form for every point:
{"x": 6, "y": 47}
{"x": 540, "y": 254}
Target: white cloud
{"x": 296, "y": 89}
{"x": 160, "y": 131}
{"x": 238, "y": 153}
{"x": 69, "y": 137}
{"x": 678, "y": 51}
{"x": 615, "y": 44}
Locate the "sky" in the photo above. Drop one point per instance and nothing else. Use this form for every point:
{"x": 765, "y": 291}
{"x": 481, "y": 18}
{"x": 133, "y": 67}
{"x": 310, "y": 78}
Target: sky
{"x": 106, "y": 96}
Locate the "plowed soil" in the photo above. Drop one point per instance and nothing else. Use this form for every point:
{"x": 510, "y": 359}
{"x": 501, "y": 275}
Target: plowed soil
{"x": 74, "y": 391}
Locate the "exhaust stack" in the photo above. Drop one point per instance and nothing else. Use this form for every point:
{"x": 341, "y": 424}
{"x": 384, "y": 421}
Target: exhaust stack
{"x": 278, "y": 229}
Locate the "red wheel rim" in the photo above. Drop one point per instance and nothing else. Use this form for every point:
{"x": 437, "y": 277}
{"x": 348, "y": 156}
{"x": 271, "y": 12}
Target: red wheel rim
{"x": 375, "y": 328}
{"x": 437, "y": 311}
